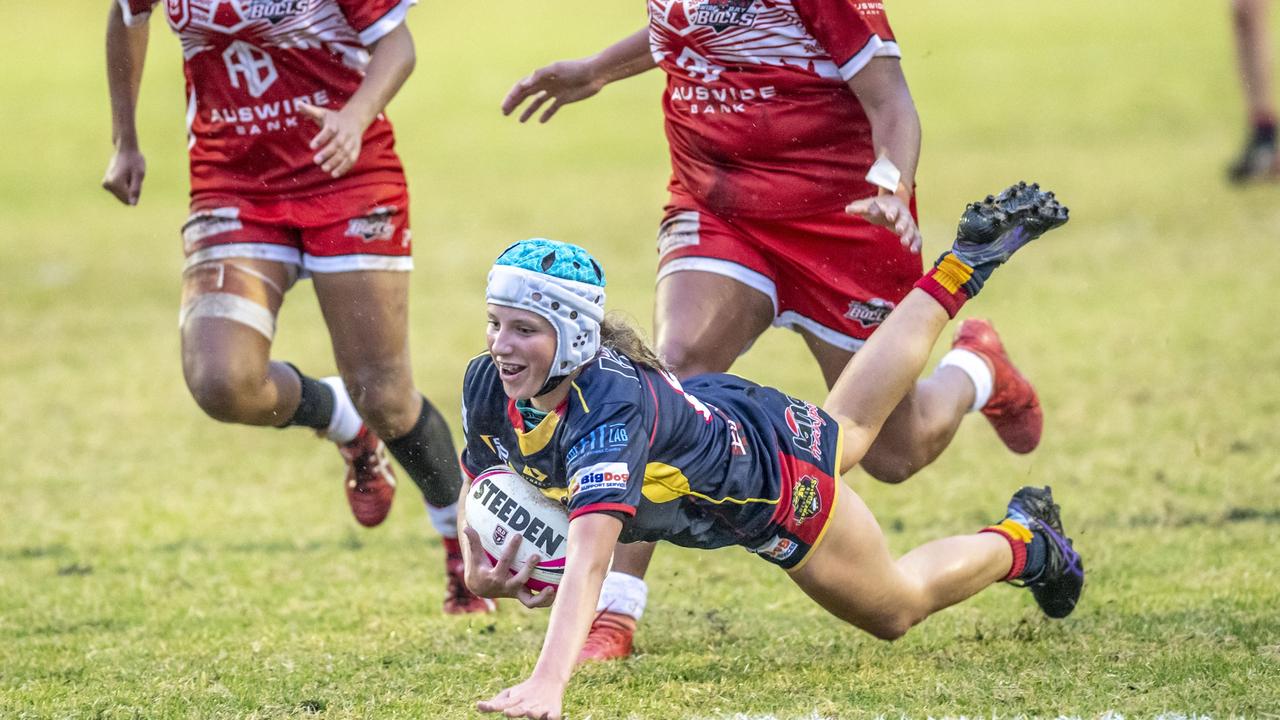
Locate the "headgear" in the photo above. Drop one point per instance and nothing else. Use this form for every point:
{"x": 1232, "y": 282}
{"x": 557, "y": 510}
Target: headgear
{"x": 562, "y": 283}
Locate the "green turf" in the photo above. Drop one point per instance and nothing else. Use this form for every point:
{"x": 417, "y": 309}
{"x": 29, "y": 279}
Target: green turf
{"x": 156, "y": 564}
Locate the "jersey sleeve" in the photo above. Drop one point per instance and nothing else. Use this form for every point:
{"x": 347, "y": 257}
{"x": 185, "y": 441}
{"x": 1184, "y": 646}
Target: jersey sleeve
{"x": 136, "y": 12}
{"x": 478, "y": 455}
{"x": 373, "y": 19}
{"x": 605, "y": 461}
{"x": 851, "y": 31}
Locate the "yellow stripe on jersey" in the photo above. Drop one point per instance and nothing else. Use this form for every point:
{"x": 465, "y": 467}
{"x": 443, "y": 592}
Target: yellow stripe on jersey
{"x": 951, "y": 273}
{"x": 664, "y": 483}
{"x": 581, "y": 399}
{"x": 537, "y": 438}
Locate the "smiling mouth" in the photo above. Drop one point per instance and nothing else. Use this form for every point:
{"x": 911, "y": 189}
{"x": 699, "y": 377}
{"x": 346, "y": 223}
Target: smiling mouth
{"x": 510, "y": 371}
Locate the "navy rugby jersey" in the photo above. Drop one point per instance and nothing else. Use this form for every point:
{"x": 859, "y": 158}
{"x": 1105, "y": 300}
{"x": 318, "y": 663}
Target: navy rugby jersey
{"x": 698, "y": 467}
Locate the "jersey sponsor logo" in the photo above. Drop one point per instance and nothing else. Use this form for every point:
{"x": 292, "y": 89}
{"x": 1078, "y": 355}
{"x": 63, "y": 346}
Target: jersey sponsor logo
{"x": 805, "y": 500}
{"x": 616, "y": 363}
{"x": 225, "y": 16}
{"x": 778, "y": 549}
{"x": 720, "y": 15}
{"x": 267, "y": 117}
{"x": 736, "y": 444}
{"x": 869, "y": 313}
{"x": 536, "y": 477}
{"x": 377, "y": 226}
{"x": 698, "y": 66}
{"x": 506, "y": 509}
{"x": 704, "y": 100}
{"x": 178, "y": 13}
{"x": 679, "y": 231}
{"x": 607, "y": 438}
{"x": 251, "y": 66}
{"x": 805, "y": 423}
{"x": 207, "y": 223}
{"x": 601, "y": 476}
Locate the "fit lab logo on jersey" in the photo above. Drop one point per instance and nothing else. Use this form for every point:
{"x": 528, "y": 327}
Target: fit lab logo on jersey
{"x": 250, "y": 68}
{"x": 871, "y": 312}
{"x": 722, "y": 14}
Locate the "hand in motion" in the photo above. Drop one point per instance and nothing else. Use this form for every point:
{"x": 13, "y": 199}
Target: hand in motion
{"x": 124, "y": 175}
{"x": 891, "y": 212}
{"x": 494, "y": 581}
{"x": 560, "y": 83}
{"x": 339, "y": 139}
{"x": 533, "y": 698}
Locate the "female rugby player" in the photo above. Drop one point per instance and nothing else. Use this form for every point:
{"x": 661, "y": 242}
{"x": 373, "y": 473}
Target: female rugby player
{"x": 776, "y": 114}
{"x": 578, "y": 406}
{"x": 293, "y": 174}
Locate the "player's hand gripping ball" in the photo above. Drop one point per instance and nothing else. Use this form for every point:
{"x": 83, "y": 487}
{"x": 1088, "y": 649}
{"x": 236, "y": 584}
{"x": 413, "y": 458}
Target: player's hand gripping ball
{"x": 503, "y": 505}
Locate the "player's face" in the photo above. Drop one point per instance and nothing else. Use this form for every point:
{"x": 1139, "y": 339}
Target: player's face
{"x": 523, "y": 344}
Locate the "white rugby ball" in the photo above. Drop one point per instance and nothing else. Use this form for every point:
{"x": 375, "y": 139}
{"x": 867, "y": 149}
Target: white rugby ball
{"x": 502, "y": 505}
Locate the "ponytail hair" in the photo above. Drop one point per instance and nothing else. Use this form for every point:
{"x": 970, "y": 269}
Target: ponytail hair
{"x": 617, "y": 334}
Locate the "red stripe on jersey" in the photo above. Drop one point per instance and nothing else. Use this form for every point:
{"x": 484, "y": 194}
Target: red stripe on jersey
{"x": 603, "y": 507}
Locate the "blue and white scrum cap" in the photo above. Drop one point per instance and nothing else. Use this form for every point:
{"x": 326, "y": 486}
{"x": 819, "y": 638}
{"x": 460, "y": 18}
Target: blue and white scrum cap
{"x": 562, "y": 283}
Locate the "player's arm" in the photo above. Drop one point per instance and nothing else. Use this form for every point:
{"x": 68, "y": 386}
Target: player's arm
{"x": 591, "y": 540}
{"x": 337, "y": 144}
{"x": 126, "y": 53}
{"x": 895, "y": 132}
{"x": 569, "y": 81}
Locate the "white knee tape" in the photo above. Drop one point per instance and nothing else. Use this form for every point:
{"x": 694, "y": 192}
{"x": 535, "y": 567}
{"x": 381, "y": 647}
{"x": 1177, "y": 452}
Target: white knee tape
{"x": 229, "y": 307}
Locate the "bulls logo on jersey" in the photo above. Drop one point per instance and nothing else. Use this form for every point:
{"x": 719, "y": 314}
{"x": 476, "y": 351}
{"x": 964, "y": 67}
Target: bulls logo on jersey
{"x": 685, "y": 16}
{"x": 179, "y": 13}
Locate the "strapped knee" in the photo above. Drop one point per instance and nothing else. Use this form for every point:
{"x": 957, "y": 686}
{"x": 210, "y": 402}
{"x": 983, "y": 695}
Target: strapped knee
{"x": 231, "y": 291}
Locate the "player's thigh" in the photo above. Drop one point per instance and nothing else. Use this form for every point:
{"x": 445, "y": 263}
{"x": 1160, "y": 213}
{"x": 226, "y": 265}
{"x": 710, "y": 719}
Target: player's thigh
{"x": 236, "y": 276}
{"x": 367, "y": 313}
{"x": 852, "y": 575}
{"x": 703, "y": 320}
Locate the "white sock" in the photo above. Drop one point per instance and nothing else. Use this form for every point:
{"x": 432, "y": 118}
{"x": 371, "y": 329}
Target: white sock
{"x": 623, "y": 593}
{"x": 444, "y": 519}
{"x": 345, "y": 423}
{"x": 978, "y": 371}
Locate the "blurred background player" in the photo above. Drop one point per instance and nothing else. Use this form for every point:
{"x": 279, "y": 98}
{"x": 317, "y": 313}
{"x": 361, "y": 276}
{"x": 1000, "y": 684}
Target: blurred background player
{"x": 586, "y": 411}
{"x": 1259, "y": 159}
{"x": 293, "y": 174}
{"x": 775, "y": 114}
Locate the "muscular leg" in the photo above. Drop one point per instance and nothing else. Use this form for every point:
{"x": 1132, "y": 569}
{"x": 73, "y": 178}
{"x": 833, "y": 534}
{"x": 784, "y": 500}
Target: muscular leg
{"x": 852, "y": 575}
{"x": 368, "y": 317}
{"x": 920, "y": 427}
{"x": 226, "y": 362}
{"x": 693, "y": 338}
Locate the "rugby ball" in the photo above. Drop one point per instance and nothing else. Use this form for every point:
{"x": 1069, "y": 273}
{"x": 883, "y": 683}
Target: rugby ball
{"x": 502, "y": 505}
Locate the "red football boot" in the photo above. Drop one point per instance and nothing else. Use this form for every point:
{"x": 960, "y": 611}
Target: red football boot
{"x": 1013, "y": 409}
{"x": 610, "y": 637}
{"x": 458, "y": 599}
{"x": 371, "y": 484}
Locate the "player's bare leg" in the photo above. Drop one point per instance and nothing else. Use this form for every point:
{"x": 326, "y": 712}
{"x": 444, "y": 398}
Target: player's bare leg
{"x": 693, "y": 337}
{"x": 920, "y": 427}
{"x": 1259, "y": 159}
{"x": 368, "y": 317}
{"x": 852, "y": 575}
{"x": 228, "y": 320}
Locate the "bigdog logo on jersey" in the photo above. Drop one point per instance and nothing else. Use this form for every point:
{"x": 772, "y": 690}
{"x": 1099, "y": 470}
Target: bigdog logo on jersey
{"x": 805, "y": 423}
{"x": 805, "y": 501}
{"x": 721, "y": 14}
{"x": 601, "y": 476}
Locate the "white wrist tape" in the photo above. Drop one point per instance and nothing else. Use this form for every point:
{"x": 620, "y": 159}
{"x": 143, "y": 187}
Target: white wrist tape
{"x": 885, "y": 174}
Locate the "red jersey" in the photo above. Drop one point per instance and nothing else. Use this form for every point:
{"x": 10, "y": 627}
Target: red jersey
{"x": 759, "y": 117}
{"x": 248, "y": 63}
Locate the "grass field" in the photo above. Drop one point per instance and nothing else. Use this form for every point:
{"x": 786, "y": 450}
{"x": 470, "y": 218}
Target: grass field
{"x": 154, "y": 564}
